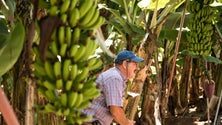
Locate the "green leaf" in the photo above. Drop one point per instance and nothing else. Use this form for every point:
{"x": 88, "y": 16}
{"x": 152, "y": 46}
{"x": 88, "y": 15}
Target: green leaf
{"x": 8, "y": 10}
{"x": 13, "y": 48}
{"x": 136, "y": 29}
{"x": 168, "y": 34}
{"x": 213, "y": 59}
{"x": 187, "y": 52}
{"x": 118, "y": 2}
{"x": 3, "y": 34}
{"x": 120, "y": 20}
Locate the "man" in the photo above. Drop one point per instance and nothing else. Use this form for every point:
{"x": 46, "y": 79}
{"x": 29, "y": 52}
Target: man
{"x": 112, "y": 83}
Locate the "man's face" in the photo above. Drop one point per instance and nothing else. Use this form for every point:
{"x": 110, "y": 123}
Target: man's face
{"x": 132, "y": 67}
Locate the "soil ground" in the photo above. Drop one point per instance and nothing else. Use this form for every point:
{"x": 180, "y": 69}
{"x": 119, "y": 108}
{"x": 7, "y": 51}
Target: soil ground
{"x": 195, "y": 115}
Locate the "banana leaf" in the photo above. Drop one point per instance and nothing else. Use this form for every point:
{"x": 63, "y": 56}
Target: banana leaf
{"x": 12, "y": 49}
{"x": 3, "y": 34}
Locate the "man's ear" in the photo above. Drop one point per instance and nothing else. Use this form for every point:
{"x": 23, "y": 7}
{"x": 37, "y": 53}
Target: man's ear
{"x": 125, "y": 63}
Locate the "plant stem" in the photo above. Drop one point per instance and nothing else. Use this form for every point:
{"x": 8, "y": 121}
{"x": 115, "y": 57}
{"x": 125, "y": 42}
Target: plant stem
{"x": 7, "y": 110}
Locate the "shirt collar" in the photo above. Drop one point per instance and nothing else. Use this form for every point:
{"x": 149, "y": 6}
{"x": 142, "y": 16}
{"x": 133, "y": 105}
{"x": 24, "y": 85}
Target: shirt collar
{"x": 124, "y": 78}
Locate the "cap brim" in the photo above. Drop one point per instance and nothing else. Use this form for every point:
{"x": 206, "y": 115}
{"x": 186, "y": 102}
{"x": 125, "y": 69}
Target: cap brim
{"x": 137, "y": 59}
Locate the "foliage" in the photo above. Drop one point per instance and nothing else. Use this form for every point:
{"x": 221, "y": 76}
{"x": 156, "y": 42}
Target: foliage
{"x": 12, "y": 35}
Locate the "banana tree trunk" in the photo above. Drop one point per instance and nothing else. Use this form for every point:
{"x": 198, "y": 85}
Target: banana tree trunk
{"x": 137, "y": 87}
{"x": 147, "y": 48}
{"x": 217, "y": 74}
{"x": 184, "y": 84}
{"x": 195, "y": 84}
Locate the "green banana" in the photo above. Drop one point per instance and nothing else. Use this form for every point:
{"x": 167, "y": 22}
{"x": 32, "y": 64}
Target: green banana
{"x": 59, "y": 84}
{"x": 64, "y": 99}
{"x": 72, "y": 97}
{"x": 84, "y": 104}
{"x": 82, "y": 75}
{"x": 93, "y": 20}
{"x": 73, "y": 4}
{"x": 87, "y": 118}
{"x": 96, "y": 65}
{"x": 59, "y": 112}
{"x": 61, "y": 34}
{"x": 50, "y": 55}
{"x": 88, "y": 50}
{"x": 49, "y": 85}
{"x": 68, "y": 85}
{"x": 57, "y": 67}
{"x": 39, "y": 69}
{"x": 207, "y": 52}
{"x": 53, "y": 10}
{"x": 63, "y": 18}
{"x": 66, "y": 112}
{"x": 53, "y": 2}
{"x": 70, "y": 119}
{"x": 94, "y": 46}
{"x": 76, "y": 35}
{"x": 38, "y": 58}
{"x": 66, "y": 69}
{"x": 91, "y": 61}
{"x": 91, "y": 93}
{"x": 68, "y": 35}
{"x": 73, "y": 72}
{"x": 91, "y": 46}
{"x": 74, "y": 17}
{"x": 49, "y": 70}
{"x": 63, "y": 49}
{"x": 54, "y": 48}
{"x": 73, "y": 50}
{"x": 79, "y": 86}
{"x": 88, "y": 17}
{"x": 79, "y": 53}
{"x": 85, "y": 6}
{"x": 87, "y": 86}
{"x": 78, "y": 120}
{"x": 65, "y": 6}
{"x": 51, "y": 95}
{"x": 79, "y": 100}
{"x": 50, "y": 108}
{"x": 97, "y": 24}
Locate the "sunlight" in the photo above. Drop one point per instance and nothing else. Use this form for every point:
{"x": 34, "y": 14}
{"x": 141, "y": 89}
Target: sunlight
{"x": 201, "y": 123}
{"x": 192, "y": 109}
{"x": 215, "y": 3}
{"x": 2, "y": 16}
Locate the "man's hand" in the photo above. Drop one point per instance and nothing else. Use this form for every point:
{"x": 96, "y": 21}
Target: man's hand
{"x": 119, "y": 116}
{"x": 131, "y": 122}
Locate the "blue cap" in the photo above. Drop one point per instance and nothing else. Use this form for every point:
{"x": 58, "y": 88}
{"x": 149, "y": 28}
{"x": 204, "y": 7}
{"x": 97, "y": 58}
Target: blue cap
{"x": 127, "y": 55}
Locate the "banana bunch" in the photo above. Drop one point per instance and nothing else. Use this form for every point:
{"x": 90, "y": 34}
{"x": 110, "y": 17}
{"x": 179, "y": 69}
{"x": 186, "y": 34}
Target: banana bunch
{"x": 65, "y": 77}
{"x": 89, "y": 15}
{"x": 207, "y": 2}
{"x": 77, "y": 13}
{"x": 201, "y": 27}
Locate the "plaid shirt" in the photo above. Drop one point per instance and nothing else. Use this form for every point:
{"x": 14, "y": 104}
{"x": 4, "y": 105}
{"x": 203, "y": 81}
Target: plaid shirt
{"x": 112, "y": 85}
